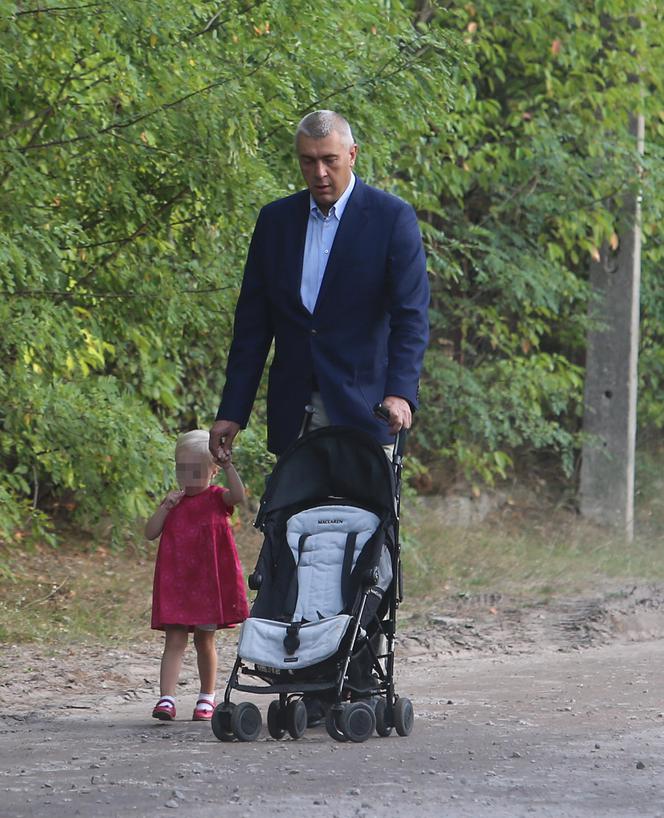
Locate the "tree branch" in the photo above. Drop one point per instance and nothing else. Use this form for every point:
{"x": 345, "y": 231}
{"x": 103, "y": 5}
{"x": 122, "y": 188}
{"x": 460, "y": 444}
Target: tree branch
{"x": 46, "y": 114}
{"x": 145, "y": 147}
{"x": 138, "y": 232}
{"x": 214, "y": 22}
{"x": 379, "y": 76}
{"x": 69, "y": 295}
{"x": 141, "y": 117}
{"x": 92, "y": 245}
{"x": 54, "y": 590}
{"x": 57, "y": 9}
{"x": 24, "y": 123}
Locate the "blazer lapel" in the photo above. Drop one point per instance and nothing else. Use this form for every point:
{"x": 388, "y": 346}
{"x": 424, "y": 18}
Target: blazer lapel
{"x": 295, "y": 245}
{"x": 348, "y": 233}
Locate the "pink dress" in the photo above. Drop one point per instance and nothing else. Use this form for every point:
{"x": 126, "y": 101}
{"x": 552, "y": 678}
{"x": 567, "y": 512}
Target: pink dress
{"x": 198, "y": 578}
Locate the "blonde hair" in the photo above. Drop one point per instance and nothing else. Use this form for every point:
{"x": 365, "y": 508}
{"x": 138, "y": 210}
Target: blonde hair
{"x": 196, "y": 442}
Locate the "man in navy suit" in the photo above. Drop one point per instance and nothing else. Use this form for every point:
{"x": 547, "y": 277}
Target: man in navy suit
{"x": 336, "y": 277}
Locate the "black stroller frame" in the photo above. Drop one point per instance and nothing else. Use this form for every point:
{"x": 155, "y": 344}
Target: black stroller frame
{"x": 357, "y": 682}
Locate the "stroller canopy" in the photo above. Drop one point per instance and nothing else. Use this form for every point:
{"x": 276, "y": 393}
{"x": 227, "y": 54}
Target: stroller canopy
{"x": 335, "y": 461}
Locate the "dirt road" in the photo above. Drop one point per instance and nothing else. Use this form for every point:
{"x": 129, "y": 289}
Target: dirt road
{"x": 549, "y": 711}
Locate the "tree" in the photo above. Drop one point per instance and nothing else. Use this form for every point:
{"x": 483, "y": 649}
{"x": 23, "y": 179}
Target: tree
{"x": 517, "y": 192}
{"x": 139, "y": 141}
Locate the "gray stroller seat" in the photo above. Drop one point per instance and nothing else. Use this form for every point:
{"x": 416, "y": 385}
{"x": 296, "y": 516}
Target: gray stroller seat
{"x": 325, "y": 542}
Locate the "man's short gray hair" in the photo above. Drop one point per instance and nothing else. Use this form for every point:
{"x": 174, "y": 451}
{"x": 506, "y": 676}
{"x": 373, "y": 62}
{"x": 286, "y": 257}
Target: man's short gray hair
{"x": 320, "y": 124}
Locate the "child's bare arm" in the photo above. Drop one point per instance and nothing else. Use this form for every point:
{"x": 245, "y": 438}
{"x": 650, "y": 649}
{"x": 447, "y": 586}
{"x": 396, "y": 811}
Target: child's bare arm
{"x": 235, "y": 493}
{"x": 155, "y": 524}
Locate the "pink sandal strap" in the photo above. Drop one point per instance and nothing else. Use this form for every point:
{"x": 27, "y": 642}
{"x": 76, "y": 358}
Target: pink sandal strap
{"x": 201, "y": 711}
{"x": 164, "y": 710}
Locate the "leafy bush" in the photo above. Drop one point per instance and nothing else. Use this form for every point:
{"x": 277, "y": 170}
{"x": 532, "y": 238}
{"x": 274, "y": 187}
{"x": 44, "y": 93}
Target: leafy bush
{"x": 140, "y": 140}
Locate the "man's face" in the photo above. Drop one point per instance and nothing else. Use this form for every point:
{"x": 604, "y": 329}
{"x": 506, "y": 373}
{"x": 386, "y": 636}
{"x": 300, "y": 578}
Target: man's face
{"x": 326, "y": 166}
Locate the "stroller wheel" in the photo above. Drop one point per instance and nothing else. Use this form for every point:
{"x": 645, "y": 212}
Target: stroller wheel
{"x": 276, "y": 726}
{"x": 332, "y": 721}
{"x": 246, "y": 721}
{"x": 296, "y": 718}
{"x": 403, "y": 716}
{"x": 358, "y": 721}
{"x": 383, "y": 727}
{"x": 221, "y": 721}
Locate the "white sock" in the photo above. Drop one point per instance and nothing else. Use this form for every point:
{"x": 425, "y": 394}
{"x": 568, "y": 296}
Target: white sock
{"x": 169, "y": 699}
{"x": 206, "y": 701}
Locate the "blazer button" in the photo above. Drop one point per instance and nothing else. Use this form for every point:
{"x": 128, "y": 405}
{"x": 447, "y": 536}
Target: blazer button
{"x": 314, "y": 332}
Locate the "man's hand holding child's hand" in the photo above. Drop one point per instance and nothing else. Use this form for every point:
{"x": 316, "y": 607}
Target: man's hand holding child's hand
{"x": 224, "y": 459}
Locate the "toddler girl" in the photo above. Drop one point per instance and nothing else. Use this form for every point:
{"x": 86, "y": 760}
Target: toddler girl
{"x": 198, "y": 580}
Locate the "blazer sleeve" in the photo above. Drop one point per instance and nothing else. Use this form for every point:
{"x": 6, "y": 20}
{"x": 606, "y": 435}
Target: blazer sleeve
{"x": 408, "y": 307}
{"x": 252, "y": 334}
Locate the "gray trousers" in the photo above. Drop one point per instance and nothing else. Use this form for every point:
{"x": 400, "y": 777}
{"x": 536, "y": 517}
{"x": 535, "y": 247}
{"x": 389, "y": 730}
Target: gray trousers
{"x": 320, "y": 418}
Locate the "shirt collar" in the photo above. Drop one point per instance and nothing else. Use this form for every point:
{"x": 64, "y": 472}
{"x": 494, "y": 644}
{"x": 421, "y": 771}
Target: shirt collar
{"x": 339, "y": 206}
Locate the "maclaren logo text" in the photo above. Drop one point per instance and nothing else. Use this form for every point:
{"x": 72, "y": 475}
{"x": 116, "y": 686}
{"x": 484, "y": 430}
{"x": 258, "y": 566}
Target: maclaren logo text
{"x": 330, "y": 522}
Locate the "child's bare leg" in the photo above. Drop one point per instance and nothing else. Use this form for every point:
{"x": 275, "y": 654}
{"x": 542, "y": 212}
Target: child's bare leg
{"x": 171, "y": 660}
{"x": 206, "y": 654}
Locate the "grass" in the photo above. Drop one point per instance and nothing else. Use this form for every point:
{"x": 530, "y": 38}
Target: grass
{"x": 74, "y": 593}
{"x": 529, "y": 550}
{"x": 532, "y": 561}
{"x": 533, "y": 549}
{"x": 82, "y": 592}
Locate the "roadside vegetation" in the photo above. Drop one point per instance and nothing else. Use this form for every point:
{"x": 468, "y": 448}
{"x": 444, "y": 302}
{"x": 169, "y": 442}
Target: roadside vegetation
{"x": 140, "y": 140}
{"x": 532, "y": 549}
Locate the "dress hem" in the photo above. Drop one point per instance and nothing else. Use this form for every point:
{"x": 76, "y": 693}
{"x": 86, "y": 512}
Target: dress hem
{"x": 191, "y": 628}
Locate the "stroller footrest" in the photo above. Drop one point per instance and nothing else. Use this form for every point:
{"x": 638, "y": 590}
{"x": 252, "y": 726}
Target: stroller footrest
{"x": 262, "y": 642}
{"x": 285, "y": 687}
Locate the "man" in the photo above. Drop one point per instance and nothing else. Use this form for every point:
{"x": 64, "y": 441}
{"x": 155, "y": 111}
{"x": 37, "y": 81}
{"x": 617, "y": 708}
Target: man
{"x": 336, "y": 276}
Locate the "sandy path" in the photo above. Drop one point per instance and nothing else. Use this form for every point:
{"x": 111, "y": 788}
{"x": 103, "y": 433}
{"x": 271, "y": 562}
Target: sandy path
{"x": 514, "y": 721}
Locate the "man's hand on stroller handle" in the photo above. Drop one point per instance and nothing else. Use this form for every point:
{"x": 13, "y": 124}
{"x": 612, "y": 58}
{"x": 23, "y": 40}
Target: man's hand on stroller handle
{"x": 396, "y": 411}
{"x": 222, "y": 434}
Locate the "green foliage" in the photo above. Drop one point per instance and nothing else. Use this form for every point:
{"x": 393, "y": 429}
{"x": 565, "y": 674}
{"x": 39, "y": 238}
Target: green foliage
{"x": 140, "y": 140}
{"x": 522, "y": 183}
{"x": 502, "y": 406}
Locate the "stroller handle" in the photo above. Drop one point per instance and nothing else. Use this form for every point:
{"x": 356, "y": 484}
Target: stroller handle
{"x": 383, "y": 413}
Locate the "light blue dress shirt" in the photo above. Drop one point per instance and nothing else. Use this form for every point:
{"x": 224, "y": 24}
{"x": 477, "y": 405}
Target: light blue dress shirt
{"x": 321, "y": 231}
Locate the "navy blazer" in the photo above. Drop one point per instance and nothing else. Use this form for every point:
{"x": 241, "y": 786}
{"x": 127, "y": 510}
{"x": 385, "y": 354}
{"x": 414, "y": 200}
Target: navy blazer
{"x": 367, "y": 335}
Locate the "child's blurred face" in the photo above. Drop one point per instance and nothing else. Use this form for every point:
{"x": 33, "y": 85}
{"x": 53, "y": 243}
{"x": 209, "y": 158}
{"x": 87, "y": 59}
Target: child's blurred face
{"x": 194, "y": 471}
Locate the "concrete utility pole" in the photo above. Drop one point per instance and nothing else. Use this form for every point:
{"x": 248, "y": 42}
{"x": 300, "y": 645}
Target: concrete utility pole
{"x": 609, "y": 420}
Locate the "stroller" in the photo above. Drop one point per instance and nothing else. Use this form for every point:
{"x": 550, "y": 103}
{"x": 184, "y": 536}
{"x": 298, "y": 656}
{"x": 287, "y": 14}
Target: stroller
{"x": 329, "y": 583}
